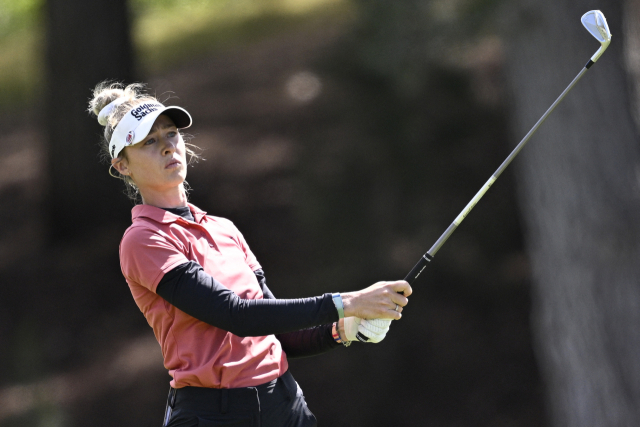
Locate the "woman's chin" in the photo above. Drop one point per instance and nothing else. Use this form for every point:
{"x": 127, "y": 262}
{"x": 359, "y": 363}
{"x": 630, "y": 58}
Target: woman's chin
{"x": 171, "y": 182}
{"x": 177, "y": 175}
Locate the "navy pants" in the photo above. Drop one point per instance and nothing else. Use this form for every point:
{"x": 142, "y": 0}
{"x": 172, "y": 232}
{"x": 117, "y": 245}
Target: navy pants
{"x": 278, "y": 403}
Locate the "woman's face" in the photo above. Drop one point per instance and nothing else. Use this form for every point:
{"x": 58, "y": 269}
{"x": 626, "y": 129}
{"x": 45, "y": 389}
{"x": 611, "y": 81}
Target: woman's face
{"x": 158, "y": 162}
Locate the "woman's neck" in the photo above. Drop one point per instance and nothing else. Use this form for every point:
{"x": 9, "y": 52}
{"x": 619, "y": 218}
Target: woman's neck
{"x": 175, "y": 198}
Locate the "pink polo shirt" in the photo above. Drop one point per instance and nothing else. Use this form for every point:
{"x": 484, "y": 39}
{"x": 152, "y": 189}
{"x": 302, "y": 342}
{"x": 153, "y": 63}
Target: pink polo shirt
{"x": 195, "y": 353}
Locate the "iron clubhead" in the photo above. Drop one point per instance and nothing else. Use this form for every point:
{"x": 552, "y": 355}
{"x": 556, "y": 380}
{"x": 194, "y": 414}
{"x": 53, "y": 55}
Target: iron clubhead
{"x": 595, "y": 22}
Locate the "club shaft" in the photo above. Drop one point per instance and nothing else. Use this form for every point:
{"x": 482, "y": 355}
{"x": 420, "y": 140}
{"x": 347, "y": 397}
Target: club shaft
{"x": 422, "y": 263}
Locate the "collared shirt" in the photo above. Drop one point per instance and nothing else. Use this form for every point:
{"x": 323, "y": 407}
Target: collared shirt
{"x": 195, "y": 353}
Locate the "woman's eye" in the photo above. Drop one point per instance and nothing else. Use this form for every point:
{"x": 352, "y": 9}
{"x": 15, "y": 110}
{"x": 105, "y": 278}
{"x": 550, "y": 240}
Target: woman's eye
{"x": 172, "y": 134}
{"x": 149, "y": 141}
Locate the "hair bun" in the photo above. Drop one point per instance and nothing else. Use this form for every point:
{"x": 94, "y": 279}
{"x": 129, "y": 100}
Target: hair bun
{"x": 103, "y": 95}
{"x": 103, "y": 116}
{"x": 107, "y": 93}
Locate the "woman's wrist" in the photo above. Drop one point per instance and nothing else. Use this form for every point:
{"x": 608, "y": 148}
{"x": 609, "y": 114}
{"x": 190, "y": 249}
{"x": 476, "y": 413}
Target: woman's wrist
{"x": 347, "y": 303}
{"x": 337, "y": 302}
{"x": 340, "y": 330}
{"x": 338, "y": 333}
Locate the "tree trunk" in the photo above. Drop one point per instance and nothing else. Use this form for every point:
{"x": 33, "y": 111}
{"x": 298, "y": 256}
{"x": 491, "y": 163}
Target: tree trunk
{"x": 87, "y": 42}
{"x": 579, "y": 188}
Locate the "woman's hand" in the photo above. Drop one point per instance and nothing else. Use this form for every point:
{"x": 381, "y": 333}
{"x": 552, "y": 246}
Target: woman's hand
{"x": 383, "y": 300}
{"x": 374, "y": 329}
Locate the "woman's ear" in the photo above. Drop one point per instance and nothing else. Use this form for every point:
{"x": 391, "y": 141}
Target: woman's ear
{"x": 121, "y": 165}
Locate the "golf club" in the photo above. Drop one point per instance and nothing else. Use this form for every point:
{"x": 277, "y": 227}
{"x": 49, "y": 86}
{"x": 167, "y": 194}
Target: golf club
{"x": 595, "y": 22}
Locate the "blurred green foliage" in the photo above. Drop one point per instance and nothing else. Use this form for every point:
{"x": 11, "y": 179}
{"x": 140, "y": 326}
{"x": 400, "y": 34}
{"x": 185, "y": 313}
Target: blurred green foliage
{"x": 165, "y": 32}
{"x": 169, "y": 31}
{"x": 20, "y": 36}
{"x": 18, "y": 14}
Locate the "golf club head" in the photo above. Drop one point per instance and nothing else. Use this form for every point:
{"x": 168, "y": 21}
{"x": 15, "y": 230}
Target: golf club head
{"x": 595, "y": 22}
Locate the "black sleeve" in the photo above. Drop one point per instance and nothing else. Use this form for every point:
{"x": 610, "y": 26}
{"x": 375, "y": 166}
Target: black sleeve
{"x": 198, "y": 294}
{"x": 308, "y": 342}
{"x": 303, "y": 343}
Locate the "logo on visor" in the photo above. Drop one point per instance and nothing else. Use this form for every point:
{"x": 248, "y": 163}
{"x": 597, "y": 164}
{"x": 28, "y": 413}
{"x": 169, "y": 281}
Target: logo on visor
{"x": 144, "y": 109}
{"x": 130, "y": 137}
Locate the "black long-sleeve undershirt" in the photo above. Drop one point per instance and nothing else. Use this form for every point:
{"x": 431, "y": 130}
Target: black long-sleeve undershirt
{"x": 196, "y": 293}
{"x": 192, "y": 290}
{"x": 303, "y": 326}
{"x": 305, "y": 342}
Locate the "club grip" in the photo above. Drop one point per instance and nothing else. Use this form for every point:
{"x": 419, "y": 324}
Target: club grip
{"x": 413, "y": 275}
{"x": 417, "y": 269}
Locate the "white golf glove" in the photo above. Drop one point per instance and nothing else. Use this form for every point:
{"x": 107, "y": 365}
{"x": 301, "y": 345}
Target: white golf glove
{"x": 351, "y": 325}
{"x": 374, "y": 329}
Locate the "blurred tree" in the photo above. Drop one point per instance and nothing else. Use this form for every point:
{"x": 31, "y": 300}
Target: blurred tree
{"x": 580, "y": 199}
{"x": 87, "y": 42}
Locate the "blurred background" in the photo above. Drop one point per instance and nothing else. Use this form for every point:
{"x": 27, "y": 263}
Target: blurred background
{"x": 342, "y": 137}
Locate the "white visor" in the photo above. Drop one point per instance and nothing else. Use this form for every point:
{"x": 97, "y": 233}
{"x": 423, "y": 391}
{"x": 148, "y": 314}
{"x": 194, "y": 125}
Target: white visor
{"x": 136, "y": 124}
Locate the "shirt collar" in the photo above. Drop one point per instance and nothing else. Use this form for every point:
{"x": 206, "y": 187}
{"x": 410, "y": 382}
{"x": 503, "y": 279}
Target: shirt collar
{"x": 162, "y": 216}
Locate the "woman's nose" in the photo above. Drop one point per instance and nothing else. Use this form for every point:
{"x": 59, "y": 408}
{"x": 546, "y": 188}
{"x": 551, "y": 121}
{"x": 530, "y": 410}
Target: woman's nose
{"x": 169, "y": 145}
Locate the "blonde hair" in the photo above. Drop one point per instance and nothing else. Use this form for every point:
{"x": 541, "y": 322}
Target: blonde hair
{"x": 133, "y": 95}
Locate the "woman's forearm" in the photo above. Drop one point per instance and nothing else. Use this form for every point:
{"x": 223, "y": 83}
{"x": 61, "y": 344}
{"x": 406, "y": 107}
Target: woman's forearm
{"x": 198, "y": 294}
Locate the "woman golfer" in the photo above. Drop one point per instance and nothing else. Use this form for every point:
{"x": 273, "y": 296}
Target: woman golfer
{"x": 225, "y": 338}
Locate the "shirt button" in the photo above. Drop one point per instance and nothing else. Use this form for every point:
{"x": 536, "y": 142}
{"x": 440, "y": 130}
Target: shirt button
{"x": 210, "y": 245}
